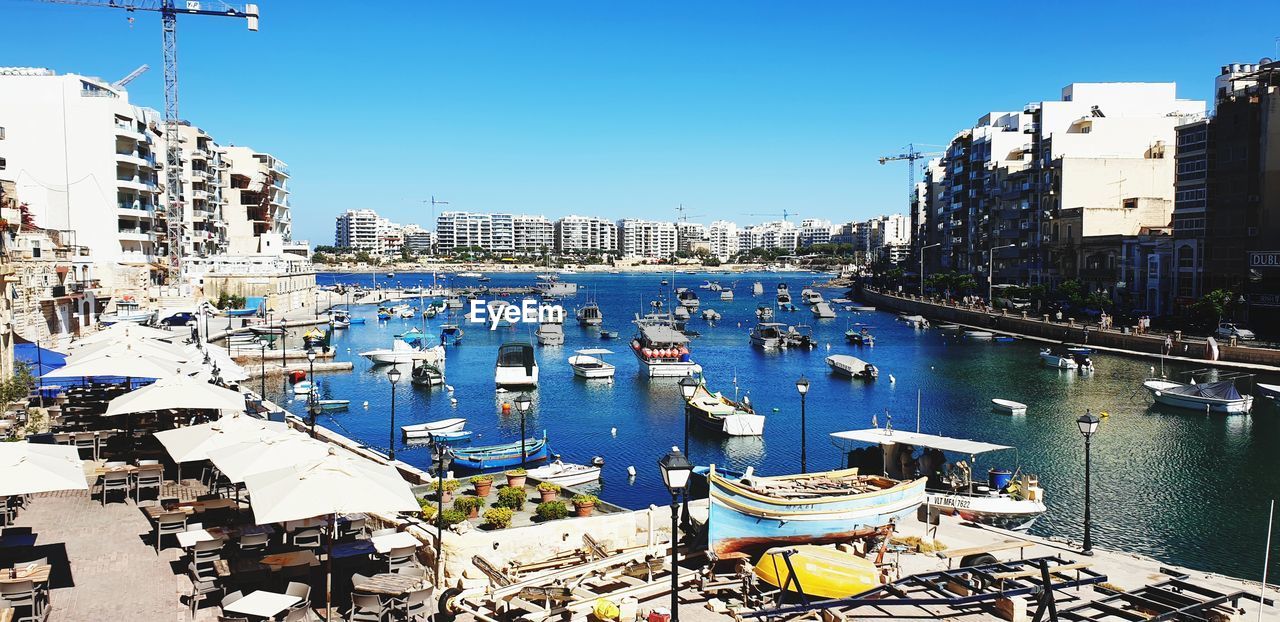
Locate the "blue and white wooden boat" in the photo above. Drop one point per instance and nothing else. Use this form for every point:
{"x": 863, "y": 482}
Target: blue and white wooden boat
{"x": 356, "y": 320}
{"x": 754, "y": 513}
{"x": 504, "y": 456}
{"x": 1269, "y": 391}
{"x": 1218, "y": 397}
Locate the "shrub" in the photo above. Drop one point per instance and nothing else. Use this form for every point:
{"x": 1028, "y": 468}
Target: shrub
{"x": 551, "y": 510}
{"x": 467, "y": 503}
{"x": 548, "y": 487}
{"x": 585, "y": 500}
{"x": 482, "y": 479}
{"x": 516, "y": 472}
{"x": 498, "y": 518}
{"x": 513, "y": 498}
{"x": 451, "y": 517}
{"x": 450, "y": 485}
{"x": 428, "y": 509}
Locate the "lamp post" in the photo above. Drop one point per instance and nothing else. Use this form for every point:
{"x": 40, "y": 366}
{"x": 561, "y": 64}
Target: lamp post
{"x": 922, "y": 250}
{"x": 313, "y": 406}
{"x": 393, "y": 375}
{"x": 688, "y": 386}
{"x": 991, "y": 262}
{"x": 441, "y": 450}
{"x": 675, "y": 475}
{"x": 1088, "y": 423}
{"x": 802, "y": 387}
{"x": 523, "y": 404}
{"x": 262, "y": 360}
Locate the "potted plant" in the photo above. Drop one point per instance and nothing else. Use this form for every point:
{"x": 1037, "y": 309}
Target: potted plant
{"x": 450, "y": 485}
{"x": 483, "y": 484}
{"x": 551, "y": 510}
{"x": 428, "y": 508}
{"x": 549, "y": 491}
{"x": 516, "y": 477}
{"x": 451, "y": 517}
{"x": 498, "y": 518}
{"x": 584, "y": 504}
{"x": 512, "y": 498}
{"x": 468, "y": 505}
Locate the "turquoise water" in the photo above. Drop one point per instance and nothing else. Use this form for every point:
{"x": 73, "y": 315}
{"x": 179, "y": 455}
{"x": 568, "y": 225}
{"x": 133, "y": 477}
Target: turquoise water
{"x": 1180, "y": 486}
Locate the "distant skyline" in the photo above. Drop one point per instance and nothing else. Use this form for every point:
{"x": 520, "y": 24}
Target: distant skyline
{"x": 738, "y": 110}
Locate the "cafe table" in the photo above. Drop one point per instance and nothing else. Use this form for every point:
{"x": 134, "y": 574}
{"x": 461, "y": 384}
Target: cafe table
{"x": 385, "y": 543}
{"x": 262, "y": 604}
{"x": 389, "y": 584}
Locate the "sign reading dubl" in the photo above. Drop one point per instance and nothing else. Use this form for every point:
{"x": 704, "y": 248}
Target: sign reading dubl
{"x": 1264, "y": 259}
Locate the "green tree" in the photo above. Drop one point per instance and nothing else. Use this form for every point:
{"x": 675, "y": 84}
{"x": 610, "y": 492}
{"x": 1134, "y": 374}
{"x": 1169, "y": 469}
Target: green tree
{"x": 1215, "y": 304}
{"x": 364, "y": 257}
{"x": 321, "y": 258}
{"x": 18, "y": 386}
{"x": 1071, "y": 290}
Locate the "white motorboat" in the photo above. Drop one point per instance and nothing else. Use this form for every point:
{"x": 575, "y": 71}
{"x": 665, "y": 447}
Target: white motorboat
{"x": 1008, "y": 407}
{"x": 1057, "y": 361}
{"x": 757, "y": 288}
{"x": 550, "y": 334}
{"x": 823, "y": 311}
{"x": 726, "y": 294}
{"x": 663, "y": 350}
{"x": 810, "y": 297}
{"x": 768, "y": 335}
{"x": 408, "y": 313}
{"x": 979, "y": 335}
{"x": 565, "y": 474}
{"x": 303, "y": 387}
{"x": 1000, "y": 500}
{"x": 516, "y": 366}
{"x": 915, "y": 321}
{"x": 128, "y": 310}
{"x": 948, "y": 326}
{"x": 681, "y": 314}
{"x": 1269, "y": 391}
{"x": 852, "y": 367}
{"x": 687, "y": 298}
{"x": 426, "y": 375}
{"x": 470, "y": 275}
{"x": 590, "y": 315}
{"x": 1218, "y": 397}
{"x": 784, "y": 296}
{"x": 861, "y": 308}
{"x": 590, "y": 363}
{"x": 424, "y": 430}
{"x": 764, "y": 313}
{"x": 711, "y": 315}
{"x": 402, "y": 352}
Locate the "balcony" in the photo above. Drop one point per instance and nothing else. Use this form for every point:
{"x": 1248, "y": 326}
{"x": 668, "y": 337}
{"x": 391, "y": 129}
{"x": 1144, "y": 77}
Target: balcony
{"x": 129, "y": 131}
{"x": 135, "y": 182}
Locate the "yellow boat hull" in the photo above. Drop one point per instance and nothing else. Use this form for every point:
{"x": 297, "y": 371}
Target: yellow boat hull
{"x": 823, "y": 572}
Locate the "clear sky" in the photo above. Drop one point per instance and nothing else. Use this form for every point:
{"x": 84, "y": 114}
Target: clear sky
{"x": 736, "y": 108}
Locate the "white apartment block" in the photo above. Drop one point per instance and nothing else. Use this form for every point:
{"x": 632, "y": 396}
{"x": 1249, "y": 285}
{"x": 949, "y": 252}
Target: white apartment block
{"x": 203, "y": 178}
{"x": 723, "y": 238}
{"x": 770, "y": 235}
{"x": 646, "y": 238}
{"x": 503, "y": 227}
{"x": 580, "y": 234}
{"x": 891, "y": 230}
{"x": 356, "y": 229}
{"x": 418, "y": 240}
{"x": 813, "y": 231}
{"x": 533, "y": 234}
{"x": 84, "y": 160}
{"x": 690, "y": 235}
{"x": 457, "y": 230}
{"x": 257, "y": 199}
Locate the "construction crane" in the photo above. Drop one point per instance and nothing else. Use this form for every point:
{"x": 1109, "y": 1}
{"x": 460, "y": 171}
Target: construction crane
{"x": 169, "y": 11}
{"x": 684, "y": 217}
{"x": 785, "y": 214}
{"x": 133, "y": 75}
{"x": 910, "y": 156}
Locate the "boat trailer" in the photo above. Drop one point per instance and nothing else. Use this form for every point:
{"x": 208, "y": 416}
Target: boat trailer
{"x": 1174, "y": 599}
{"x": 962, "y": 587}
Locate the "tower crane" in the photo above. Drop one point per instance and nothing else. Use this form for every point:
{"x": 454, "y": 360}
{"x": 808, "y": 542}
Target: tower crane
{"x": 169, "y": 11}
{"x": 785, "y": 214}
{"x": 911, "y": 155}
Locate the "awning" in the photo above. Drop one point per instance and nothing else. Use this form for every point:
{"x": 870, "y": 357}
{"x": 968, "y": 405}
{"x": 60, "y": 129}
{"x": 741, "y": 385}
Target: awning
{"x": 41, "y": 360}
{"x": 593, "y": 351}
{"x": 884, "y": 436}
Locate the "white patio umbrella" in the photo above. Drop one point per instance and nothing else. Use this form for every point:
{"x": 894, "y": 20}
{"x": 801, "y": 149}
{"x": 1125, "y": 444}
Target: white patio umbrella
{"x": 178, "y": 392}
{"x": 117, "y": 331}
{"x": 194, "y": 442}
{"x": 125, "y": 365}
{"x": 240, "y": 460}
{"x": 27, "y": 468}
{"x": 338, "y": 483}
{"x": 141, "y": 347}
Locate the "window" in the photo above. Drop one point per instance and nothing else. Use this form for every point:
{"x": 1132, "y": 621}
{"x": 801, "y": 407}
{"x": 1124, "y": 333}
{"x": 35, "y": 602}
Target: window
{"x": 2, "y": 164}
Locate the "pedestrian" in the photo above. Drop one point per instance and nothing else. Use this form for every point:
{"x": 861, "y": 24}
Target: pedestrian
{"x": 1059, "y": 315}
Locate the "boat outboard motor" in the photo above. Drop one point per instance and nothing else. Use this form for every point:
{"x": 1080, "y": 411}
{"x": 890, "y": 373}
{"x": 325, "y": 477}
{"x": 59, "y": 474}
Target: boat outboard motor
{"x": 597, "y": 461}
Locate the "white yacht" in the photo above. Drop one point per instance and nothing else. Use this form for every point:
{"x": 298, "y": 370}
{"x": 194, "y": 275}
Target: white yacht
{"x": 550, "y": 334}
{"x": 590, "y": 363}
{"x": 663, "y": 350}
{"x": 516, "y": 366}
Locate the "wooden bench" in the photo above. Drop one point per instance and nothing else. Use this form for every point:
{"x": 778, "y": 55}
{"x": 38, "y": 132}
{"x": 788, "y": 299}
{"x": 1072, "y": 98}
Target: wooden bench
{"x": 1005, "y": 545}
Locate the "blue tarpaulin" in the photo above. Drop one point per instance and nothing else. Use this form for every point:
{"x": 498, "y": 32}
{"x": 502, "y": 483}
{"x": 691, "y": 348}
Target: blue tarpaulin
{"x": 41, "y": 360}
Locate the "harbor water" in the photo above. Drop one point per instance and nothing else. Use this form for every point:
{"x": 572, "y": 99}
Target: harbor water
{"x": 1177, "y": 485}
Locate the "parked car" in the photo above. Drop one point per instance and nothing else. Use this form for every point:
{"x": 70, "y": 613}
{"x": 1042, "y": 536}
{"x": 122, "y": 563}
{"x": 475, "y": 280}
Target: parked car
{"x": 183, "y": 318}
{"x": 1229, "y": 329}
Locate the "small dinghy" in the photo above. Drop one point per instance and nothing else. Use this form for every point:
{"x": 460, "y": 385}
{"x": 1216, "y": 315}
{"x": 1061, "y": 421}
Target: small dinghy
{"x": 303, "y": 388}
{"x": 1269, "y": 391}
{"x": 978, "y": 335}
{"x": 1008, "y": 407}
{"x": 566, "y": 474}
{"x": 334, "y": 404}
{"x": 433, "y": 428}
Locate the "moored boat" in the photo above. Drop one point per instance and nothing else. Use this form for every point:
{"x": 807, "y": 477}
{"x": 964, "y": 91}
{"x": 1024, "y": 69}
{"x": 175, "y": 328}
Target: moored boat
{"x": 425, "y": 374}
{"x": 764, "y": 313}
{"x": 663, "y": 350}
{"x": 503, "y": 456}
{"x": 1057, "y": 361}
{"x": 516, "y": 366}
{"x": 424, "y": 430}
{"x": 1008, "y": 407}
{"x": 687, "y": 298}
{"x": 752, "y": 513}
{"x": 550, "y": 334}
{"x": 823, "y": 311}
{"x": 783, "y": 296}
{"x": 757, "y": 288}
{"x": 1218, "y": 397}
{"x": 590, "y": 315}
{"x": 1269, "y": 391}
{"x": 303, "y": 387}
{"x": 799, "y": 336}
{"x": 450, "y": 333}
{"x": 852, "y": 367}
{"x": 821, "y": 571}
{"x": 860, "y": 336}
{"x": 767, "y": 335}
{"x": 590, "y": 364}
{"x": 978, "y": 335}
{"x": 565, "y": 474}
{"x": 915, "y": 321}
{"x": 334, "y": 404}
{"x": 402, "y": 352}
{"x": 717, "y": 413}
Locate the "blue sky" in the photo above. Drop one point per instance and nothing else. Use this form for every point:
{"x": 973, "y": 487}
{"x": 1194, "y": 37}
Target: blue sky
{"x": 626, "y": 109}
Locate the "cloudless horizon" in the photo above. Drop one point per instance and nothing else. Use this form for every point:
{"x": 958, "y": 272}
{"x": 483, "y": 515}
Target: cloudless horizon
{"x": 736, "y": 109}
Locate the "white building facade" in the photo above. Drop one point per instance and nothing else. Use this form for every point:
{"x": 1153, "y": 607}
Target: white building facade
{"x": 585, "y": 234}
{"x": 533, "y": 234}
{"x": 647, "y": 239}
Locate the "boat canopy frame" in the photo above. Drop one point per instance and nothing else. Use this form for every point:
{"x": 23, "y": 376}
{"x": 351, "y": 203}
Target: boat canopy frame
{"x": 890, "y": 436}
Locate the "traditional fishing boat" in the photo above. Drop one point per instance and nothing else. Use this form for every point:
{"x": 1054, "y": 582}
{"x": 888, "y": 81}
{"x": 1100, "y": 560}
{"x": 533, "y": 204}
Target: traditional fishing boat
{"x": 852, "y": 367}
{"x": 767, "y": 335}
{"x": 590, "y": 315}
{"x": 450, "y": 333}
{"x": 445, "y": 438}
{"x": 566, "y": 474}
{"x": 502, "y": 456}
{"x": 1218, "y": 397}
{"x": 752, "y": 513}
{"x": 516, "y": 366}
{"x": 590, "y": 363}
{"x": 330, "y": 405}
{"x": 1000, "y": 499}
{"x": 340, "y": 319}
{"x": 717, "y": 413}
{"x": 661, "y": 348}
{"x": 1057, "y": 361}
{"x": 424, "y": 430}
{"x": 384, "y": 314}
{"x": 1008, "y": 407}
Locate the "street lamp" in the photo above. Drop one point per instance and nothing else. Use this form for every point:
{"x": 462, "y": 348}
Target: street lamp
{"x": 313, "y": 407}
{"x": 523, "y": 404}
{"x": 442, "y": 450}
{"x": 802, "y": 387}
{"x": 991, "y": 262}
{"x": 922, "y": 250}
{"x": 393, "y": 375}
{"x": 675, "y": 474}
{"x": 688, "y": 386}
{"x": 262, "y": 360}
{"x": 1088, "y": 423}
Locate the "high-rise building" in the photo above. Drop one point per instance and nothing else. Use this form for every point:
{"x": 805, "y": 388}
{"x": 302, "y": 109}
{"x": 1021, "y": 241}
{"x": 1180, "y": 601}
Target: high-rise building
{"x": 203, "y": 176}
{"x": 257, "y": 200}
{"x": 459, "y": 230}
{"x": 646, "y": 238}
{"x": 356, "y": 229}
{"x": 813, "y": 231}
{"x": 533, "y": 234}
{"x": 723, "y": 237}
{"x": 583, "y": 234}
{"x": 771, "y": 235}
{"x": 419, "y": 241}
{"x": 690, "y": 236}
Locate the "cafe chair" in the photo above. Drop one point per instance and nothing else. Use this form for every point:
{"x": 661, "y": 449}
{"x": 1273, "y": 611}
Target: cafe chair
{"x": 418, "y": 604}
{"x": 307, "y": 539}
{"x": 366, "y": 608}
{"x": 85, "y": 440}
{"x": 206, "y": 551}
{"x": 171, "y": 523}
{"x": 117, "y": 482}
{"x": 352, "y": 529}
{"x": 303, "y": 592}
{"x": 254, "y": 543}
{"x": 149, "y": 478}
{"x": 204, "y": 581}
{"x": 231, "y": 597}
{"x": 22, "y": 595}
{"x": 401, "y": 557}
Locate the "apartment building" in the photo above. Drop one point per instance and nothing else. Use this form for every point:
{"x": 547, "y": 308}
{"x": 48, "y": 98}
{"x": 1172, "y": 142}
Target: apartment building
{"x": 257, "y": 199}
{"x": 356, "y": 229}
{"x": 419, "y": 241}
{"x": 204, "y": 174}
{"x": 722, "y": 236}
{"x": 1226, "y": 216}
{"x": 646, "y": 239}
{"x": 533, "y": 234}
{"x": 460, "y": 230}
{"x": 813, "y": 231}
{"x": 83, "y": 159}
{"x": 691, "y": 236}
{"x": 771, "y": 235}
{"x": 583, "y": 234}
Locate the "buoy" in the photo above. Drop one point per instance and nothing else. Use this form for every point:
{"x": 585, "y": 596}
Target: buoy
{"x": 453, "y": 401}
{"x": 1105, "y": 414}
{"x": 613, "y": 431}
{"x": 775, "y": 409}
{"x": 366, "y": 404}
{"x": 449, "y": 388}
{"x": 506, "y": 408}
{"x": 892, "y": 379}
{"x": 631, "y": 471}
